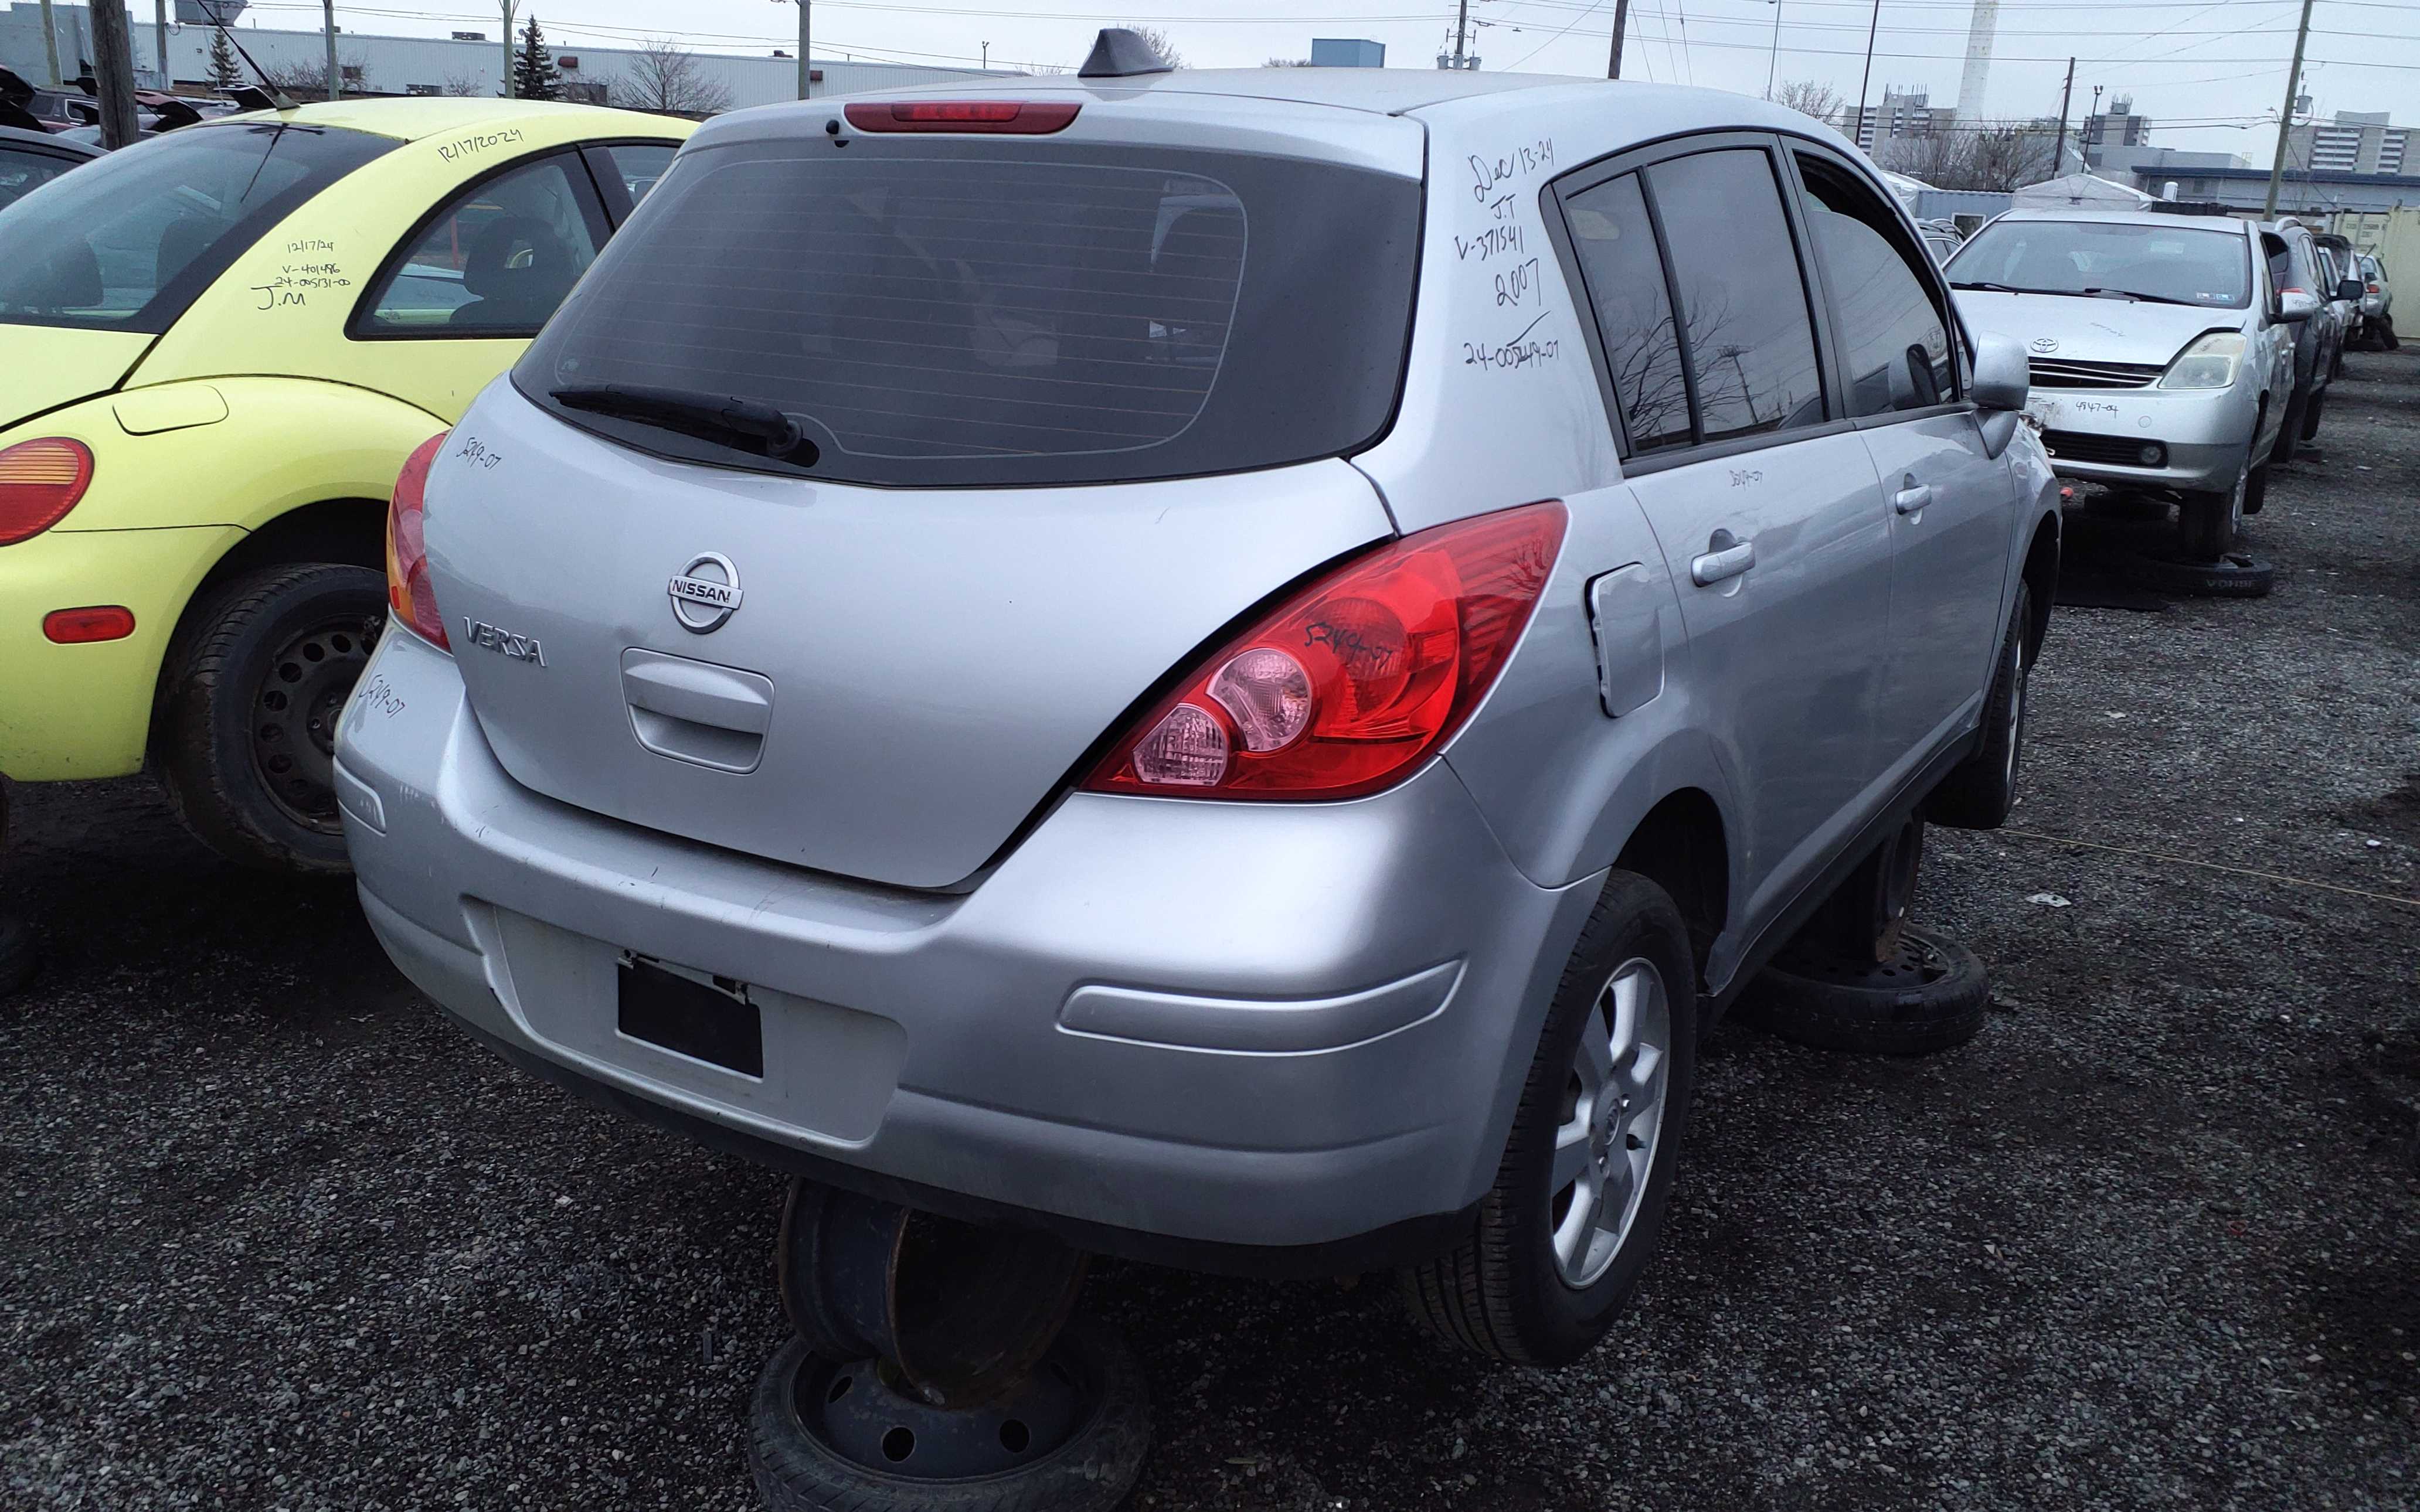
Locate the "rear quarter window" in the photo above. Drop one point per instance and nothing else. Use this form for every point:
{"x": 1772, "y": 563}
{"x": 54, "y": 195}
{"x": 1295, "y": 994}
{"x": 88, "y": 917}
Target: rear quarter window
{"x": 958, "y": 314}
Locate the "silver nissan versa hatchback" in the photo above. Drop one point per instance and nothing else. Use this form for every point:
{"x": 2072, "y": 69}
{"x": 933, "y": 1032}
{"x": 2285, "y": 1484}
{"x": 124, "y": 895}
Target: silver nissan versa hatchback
{"x": 1232, "y": 665}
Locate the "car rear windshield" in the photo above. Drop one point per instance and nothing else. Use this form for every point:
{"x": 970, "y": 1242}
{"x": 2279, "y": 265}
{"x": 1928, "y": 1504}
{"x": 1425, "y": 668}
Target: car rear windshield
{"x": 2180, "y": 263}
{"x": 932, "y": 314}
{"x": 128, "y": 240}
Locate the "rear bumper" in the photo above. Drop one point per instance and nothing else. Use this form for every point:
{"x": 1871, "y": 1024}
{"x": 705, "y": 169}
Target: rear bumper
{"x": 1212, "y": 1033}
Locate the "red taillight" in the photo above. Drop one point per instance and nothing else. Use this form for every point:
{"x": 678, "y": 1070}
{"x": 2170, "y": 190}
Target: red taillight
{"x": 85, "y": 627}
{"x": 408, "y": 593}
{"x": 1010, "y": 117}
{"x": 40, "y": 482}
{"x": 2373, "y": 287}
{"x": 1355, "y": 680}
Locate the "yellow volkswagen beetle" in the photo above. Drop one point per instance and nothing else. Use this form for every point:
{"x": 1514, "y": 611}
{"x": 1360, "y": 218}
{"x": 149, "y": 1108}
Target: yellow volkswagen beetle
{"x": 216, "y": 350}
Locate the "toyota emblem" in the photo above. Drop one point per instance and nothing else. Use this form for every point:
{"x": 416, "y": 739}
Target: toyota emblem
{"x": 2044, "y": 344}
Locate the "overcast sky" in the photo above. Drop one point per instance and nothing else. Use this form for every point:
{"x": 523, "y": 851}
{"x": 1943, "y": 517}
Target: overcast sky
{"x": 2219, "y": 67}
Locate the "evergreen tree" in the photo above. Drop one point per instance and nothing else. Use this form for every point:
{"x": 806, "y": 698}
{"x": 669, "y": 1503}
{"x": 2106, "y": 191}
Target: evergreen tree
{"x": 533, "y": 72}
{"x": 225, "y": 74}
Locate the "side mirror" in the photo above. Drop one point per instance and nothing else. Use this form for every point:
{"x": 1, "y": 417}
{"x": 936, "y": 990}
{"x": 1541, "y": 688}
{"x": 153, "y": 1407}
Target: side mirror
{"x": 2351, "y": 289}
{"x": 2297, "y": 305}
{"x": 2003, "y": 378}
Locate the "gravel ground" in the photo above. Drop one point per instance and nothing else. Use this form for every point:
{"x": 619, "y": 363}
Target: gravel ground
{"x": 278, "y": 1237}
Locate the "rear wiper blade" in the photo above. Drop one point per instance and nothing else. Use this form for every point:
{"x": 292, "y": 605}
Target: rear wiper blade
{"x": 691, "y": 410}
{"x": 2134, "y": 294}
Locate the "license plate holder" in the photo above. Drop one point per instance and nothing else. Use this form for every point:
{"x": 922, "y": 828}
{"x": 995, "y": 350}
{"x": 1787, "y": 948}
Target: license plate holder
{"x": 715, "y": 1024}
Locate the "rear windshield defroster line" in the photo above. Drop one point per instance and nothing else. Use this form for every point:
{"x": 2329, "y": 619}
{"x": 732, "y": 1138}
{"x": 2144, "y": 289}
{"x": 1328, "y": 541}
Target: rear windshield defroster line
{"x": 946, "y": 315}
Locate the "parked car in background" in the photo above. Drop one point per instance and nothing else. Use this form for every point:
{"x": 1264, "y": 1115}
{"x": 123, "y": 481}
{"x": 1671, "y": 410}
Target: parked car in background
{"x": 29, "y": 160}
{"x": 1943, "y": 245}
{"x": 989, "y": 657}
{"x": 2341, "y": 292}
{"x": 221, "y": 346}
{"x": 2294, "y": 265}
{"x": 2163, "y": 358}
{"x": 2377, "y": 303}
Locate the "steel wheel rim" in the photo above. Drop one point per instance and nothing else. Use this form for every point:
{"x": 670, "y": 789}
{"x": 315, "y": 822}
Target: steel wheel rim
{"x": 294, "y": 714}
{"x": 1613, "y": 1119}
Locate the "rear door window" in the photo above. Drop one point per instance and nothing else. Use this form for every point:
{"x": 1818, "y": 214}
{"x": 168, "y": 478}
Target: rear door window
{"x": 1746, "y": 329}
{"x": 1615, "y": 241}
{"x": 1892, "y": 329}
{"x": 635, "y": 165}
{"x": 495, "y": 260}
{"x": 946, "y": 314}
{"x": 128, "y": 241}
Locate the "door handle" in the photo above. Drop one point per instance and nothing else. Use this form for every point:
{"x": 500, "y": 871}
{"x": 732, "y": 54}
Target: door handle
{"x": 1725, "y": 557}
{"x": 1912, "y": 497}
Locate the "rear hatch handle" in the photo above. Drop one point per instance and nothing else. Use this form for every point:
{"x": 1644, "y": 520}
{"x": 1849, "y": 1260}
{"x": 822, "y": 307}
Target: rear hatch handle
{"x": 697, "y": 711}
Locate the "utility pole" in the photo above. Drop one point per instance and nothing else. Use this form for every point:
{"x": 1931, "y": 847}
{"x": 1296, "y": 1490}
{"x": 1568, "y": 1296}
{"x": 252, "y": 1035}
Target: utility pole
{"x": 1460, "y": 35}
{"x": 159, "y": 38}
{"x": 335, "y": 80}
{"x": 113, "y": 68}
{"x": 2059, "y": 153}
{"x": 986, "y": 57}
{"x": 806, "y": 67}
{"x": 2286, "y": 117}
{"x": 51, "y": 42}
{"x": 1871, "y": 27}
{"x": 508, "y": 45}
{"x": 1775, "y": 56}
{"x": 1620, "y": 21}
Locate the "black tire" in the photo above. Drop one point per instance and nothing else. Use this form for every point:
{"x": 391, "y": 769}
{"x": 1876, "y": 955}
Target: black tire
{"x": 1932, "y": 995}
{"x": 278, "y": 648}
{"x": 18, "y": 959}
{"x": 2256, "y": 492}
{"x": 2386, "y": 336}
{"x": 1501, "y": 1292}
{"x": 1980, "y": 791}
{"x": 2289, "y": 432}
{"x": 2311, "y": 413}
{"x": 2206, "y": 522}
{"x": 796, "y": 1471}
{"x": 2236, "y": 575}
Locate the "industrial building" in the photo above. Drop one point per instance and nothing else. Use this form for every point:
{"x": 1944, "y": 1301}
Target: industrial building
{"x": 471, "y": 62}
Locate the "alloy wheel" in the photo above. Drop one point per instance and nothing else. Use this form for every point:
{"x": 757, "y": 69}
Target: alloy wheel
{"x": 1613, "y": 1115}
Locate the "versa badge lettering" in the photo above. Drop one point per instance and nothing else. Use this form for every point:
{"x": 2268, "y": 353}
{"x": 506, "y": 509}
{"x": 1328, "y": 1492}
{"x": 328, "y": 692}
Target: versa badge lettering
{"x": 502, "y": 641}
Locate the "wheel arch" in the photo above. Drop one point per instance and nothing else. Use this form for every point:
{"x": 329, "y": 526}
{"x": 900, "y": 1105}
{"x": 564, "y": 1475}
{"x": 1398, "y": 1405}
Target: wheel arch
{"x": 2040, "y": 575}
{"x": 1682, "y": 845}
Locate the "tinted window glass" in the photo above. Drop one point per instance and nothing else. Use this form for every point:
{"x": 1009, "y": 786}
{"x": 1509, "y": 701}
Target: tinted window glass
{"x": 1742, "y": 304}
{"x": 2185, "y": 265}
{"x": 497, "y": 260}
{"x": 937, "y": 314}
{"x": 1898, "y": 343}
{"x": 128, "y": 240}
{"x": 1624, "y": 273}
{"x": 21, "y": 173}
{"x": 640, "y": 165}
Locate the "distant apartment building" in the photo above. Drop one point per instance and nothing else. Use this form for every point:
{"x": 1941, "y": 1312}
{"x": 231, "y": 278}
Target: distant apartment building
{"x": 1904, "y": 114}
{"x": 2112, "y": 135}
{"x": 2357, "y": 141}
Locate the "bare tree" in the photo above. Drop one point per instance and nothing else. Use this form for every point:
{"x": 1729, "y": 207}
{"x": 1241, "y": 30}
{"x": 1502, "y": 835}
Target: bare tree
{"x": 1809, "y": 97}
{"x": 666, "y": 78}
{"x": 1287, "y": 63}
{"x": 307, "y": 82}
{"x": 463, "y": 86}
{"x": 1158, "y": 41}
{"x": 2006, "y": 157}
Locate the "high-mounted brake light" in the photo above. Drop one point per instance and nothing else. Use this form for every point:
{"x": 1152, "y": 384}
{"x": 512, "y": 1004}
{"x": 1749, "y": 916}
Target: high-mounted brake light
{"x": 1354, "y": 680}
{"x": 1008, "y": 117}
{"x": 408, "y": 595}
{"x": 40, "y": 482}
